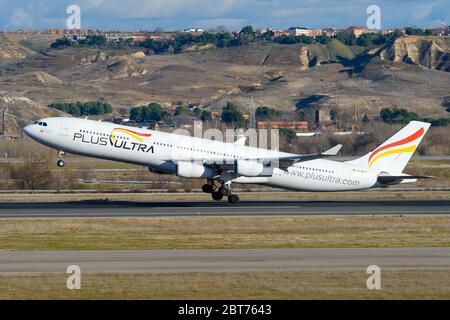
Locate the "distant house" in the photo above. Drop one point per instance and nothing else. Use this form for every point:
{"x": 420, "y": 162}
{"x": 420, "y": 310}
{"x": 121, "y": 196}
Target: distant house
{"x": 357, "y": 31}
{"x": 139, "y": 37}
{"x": 215, "y": 114}
{"x": 193, "y": 30}
{"x": 293, "y": 125}
{"x": 279, "y": 33}
{"x": 315, "y": 32}
{"x": 297, "y": 31}
{"x": 330, "y": 32}
{"x": 322, "y": 116}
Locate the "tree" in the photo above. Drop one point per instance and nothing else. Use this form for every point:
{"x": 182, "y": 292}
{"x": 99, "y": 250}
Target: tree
{"x": 95, "y": 39}
{"x": 61, "y": 43}
{"x": 206, "y": 116}
{"x": 288, "y": 133}
{"x": 180, "y": 111}
{"x": 152, "y": 112}
{"x": 34, "y": 171}
{"x": 222, "y": 29}
{"x": 247, "y": 30}
{"x": 346, "y": 38}
{"x": 267, "y": 113}
{"x": 231, "y": 114}
{"x": 396, "y": 115}
{"x": 83, "y": 109}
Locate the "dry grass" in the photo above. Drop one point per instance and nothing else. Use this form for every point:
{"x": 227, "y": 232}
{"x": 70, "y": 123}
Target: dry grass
{"x": 224, "y": 232}
{"x": 405, "y": 284}
{"x": 245, "y": 196}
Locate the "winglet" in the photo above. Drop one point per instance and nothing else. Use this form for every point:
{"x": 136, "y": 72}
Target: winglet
{"x": 333, "y": 151}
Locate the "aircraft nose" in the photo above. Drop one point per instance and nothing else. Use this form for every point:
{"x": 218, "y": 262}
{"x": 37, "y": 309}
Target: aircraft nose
{"x": 29, "y": 130}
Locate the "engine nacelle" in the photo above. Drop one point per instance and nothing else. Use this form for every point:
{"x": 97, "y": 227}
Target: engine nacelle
{"x": 253, "y": 169}
{"x": 194, "y": 171}
{"x": 165, "y": 167}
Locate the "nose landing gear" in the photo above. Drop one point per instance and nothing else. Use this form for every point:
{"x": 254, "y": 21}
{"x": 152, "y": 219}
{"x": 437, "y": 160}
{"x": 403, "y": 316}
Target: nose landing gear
{"x": 60, "y": 163}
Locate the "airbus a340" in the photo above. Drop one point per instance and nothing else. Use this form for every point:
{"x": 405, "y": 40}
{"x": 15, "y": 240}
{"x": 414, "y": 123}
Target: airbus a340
{"x": 223, "y": 164}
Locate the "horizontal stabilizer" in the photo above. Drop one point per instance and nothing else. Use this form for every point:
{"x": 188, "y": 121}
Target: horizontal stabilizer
{"x": 391, "y": 179}
{"x": 241, "y": 141}
{"x": 333, "y": 151}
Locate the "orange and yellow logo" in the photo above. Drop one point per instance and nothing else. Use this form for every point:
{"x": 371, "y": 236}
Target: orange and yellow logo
{"x": 382, "y": 151}
{"x": 134, "y": 134}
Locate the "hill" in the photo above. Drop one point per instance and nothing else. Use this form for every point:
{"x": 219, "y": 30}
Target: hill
{"x": 411, "y": 73}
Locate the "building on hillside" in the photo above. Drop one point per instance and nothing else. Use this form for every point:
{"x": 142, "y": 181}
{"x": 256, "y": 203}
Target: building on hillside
{"x": 279, "y": 33}
{"x": 193, "y": 30}
{"x": 330, "y": 32}
{"x": 215, "y": 114}
{"x": 357, "y": 31}
{"x": 261, "y": 31}
{"x": 78, "y": 32}
{"x": 315, "y": 32}
{"x": 139, "y": 37}
{"x": 156, "y": 37}
{"x": 443, "y": 31}
{"x": 322, "y": 116}
{"x": 297, "y": 31}
{"x": 298, "y": 126}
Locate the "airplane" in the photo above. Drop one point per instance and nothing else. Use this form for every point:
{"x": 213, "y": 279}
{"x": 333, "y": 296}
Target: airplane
{"x": 223, "y": 164}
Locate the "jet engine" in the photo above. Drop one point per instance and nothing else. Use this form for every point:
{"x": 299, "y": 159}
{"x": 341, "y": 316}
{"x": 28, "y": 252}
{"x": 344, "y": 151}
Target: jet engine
{"x": 253, "y": 169}
{"x": 194, "y": 171}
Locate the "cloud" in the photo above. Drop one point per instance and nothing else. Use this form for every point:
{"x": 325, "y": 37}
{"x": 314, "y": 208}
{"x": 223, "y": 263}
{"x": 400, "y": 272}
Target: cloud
{"x": 21, "y": 18}
{"x": 162, "y": 9}
{"x": 422, "y": 11}
{"x": 173, "y": 14}
{"x": 231, "y": 23}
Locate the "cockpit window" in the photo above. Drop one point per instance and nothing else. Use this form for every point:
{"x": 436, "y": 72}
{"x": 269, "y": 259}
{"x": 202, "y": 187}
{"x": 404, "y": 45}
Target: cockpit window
{"x": 40, "y": 123}
{"x": 44, "y": 124}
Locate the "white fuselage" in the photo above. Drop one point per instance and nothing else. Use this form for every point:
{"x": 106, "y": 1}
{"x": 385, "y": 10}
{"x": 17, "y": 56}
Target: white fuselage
{"x": 162, "y": 151}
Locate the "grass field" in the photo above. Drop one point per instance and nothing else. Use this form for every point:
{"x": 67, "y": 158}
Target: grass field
{"x": 245, "y": 196}
{"x": 224, "y": 232}
{"x": 405, "y": 284}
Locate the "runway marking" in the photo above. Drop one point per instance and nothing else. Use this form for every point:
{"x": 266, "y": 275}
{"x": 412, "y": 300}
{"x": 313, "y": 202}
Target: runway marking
{"x": 131, "y": 214}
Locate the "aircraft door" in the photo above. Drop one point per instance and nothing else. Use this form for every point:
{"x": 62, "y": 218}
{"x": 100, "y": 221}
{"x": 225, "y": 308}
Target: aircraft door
{"x": 63, "y": 129}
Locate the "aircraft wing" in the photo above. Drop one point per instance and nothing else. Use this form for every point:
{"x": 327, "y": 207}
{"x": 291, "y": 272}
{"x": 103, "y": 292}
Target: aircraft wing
{"x": 284, "y": 161}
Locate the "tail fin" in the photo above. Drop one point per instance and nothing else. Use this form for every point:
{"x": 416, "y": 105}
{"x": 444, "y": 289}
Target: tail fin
{"x": 394, "y": 154}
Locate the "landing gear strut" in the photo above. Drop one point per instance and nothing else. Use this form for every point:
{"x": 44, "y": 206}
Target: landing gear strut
{"x": 60, "y": 163}
{"x": 225, "y": 190}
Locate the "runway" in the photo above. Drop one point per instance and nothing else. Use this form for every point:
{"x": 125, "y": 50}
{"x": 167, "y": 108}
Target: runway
{"x": 104, "y": 208}
{"x": 226, "y": 260}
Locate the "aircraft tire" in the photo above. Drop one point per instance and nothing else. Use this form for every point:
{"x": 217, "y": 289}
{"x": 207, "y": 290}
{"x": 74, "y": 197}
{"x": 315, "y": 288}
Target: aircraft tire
{"x": 207, "y": 188}
{"x": 234, "y": 198}
{"x": 217, "y": 196}
{"x": 60, "y": 163}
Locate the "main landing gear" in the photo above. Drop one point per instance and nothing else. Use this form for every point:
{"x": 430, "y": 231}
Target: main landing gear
{"x": 60, "y": 163}
{"x": 223, "y": 191}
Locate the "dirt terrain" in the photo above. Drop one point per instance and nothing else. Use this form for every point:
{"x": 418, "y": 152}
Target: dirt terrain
{"x": 411, "y": 73}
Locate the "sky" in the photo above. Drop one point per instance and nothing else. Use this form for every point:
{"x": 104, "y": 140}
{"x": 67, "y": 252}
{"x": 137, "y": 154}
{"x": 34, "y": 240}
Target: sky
{"x": 147, "y": 15}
